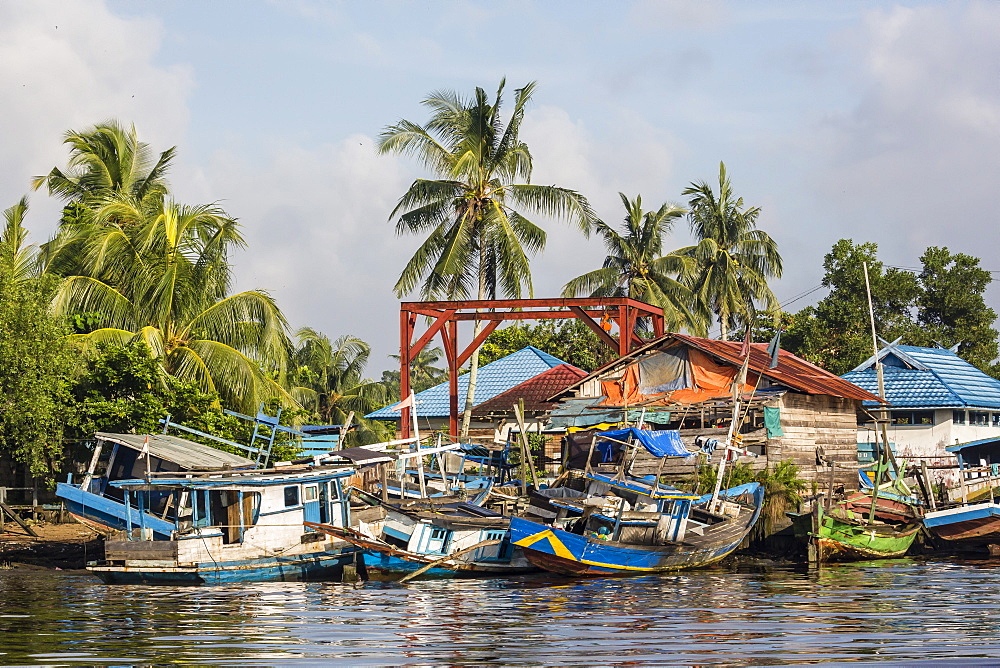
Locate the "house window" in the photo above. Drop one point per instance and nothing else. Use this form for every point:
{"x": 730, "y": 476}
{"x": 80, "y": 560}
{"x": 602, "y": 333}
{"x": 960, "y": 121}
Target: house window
{"x": 291, "y": 496}
{"x": 912, "y": 417}
{"x": 979, "y": 418}
{"x": 958, "y": 417}
{"x": 996, "y": 419}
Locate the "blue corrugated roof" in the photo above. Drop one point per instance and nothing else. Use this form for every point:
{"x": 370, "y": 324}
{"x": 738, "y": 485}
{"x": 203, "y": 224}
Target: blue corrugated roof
{"x": 918, "y": 377}
{"x": 493, "y": 379}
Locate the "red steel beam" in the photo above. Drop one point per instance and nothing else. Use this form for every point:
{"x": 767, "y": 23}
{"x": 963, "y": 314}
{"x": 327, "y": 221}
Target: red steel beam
{"x": 533, "y": 303}
{"x": 450, "y": 338}
{"x": 595, "y": 326}
{"x": 447, "y": 315}
{"x": 442, "y": 318}
{"x": 476, "y": 342}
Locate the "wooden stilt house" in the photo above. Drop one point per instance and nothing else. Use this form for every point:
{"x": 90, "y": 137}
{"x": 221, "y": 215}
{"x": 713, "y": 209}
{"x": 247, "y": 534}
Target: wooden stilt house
{"x": 794, "y": 411}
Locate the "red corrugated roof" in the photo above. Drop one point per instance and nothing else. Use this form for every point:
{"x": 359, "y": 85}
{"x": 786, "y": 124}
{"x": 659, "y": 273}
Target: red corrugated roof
{"x": 792, "y": 371}
{"x": 535, "y": 391}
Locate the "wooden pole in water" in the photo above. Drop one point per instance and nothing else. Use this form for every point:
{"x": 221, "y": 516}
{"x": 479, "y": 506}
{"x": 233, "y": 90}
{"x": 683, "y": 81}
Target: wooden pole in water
{"x": 927, "y": 486}
{"x": 384, "y": 474}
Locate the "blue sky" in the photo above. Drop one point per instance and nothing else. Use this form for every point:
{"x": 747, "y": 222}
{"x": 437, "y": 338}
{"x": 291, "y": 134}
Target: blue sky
{"x": 873, "y": 121}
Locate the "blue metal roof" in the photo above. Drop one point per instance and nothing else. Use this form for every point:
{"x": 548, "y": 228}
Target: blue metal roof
{"x": 958, "y": 447}
{"x": 918, "y": 377}
{"x": 493, "y": 379}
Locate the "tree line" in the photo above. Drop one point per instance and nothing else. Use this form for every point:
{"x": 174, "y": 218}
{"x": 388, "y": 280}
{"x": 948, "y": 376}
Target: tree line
{"x": 128, "y": 311}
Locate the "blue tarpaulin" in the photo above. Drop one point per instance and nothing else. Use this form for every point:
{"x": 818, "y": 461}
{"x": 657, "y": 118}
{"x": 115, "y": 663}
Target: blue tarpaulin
{"x": 664, "y": 443}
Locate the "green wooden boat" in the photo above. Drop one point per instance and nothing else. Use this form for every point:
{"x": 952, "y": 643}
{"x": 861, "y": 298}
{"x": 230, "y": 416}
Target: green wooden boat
{"x": 844, "y": 535}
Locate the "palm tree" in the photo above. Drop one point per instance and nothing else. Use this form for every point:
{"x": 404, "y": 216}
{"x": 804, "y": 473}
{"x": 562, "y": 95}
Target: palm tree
{"x": 18, "y": 259}
{"x": 164, "y": 279}
{"x": 733, "y": 259}
{"x": 636, "y": 266}
{"x": 328, "y": 377}
{"x": 106, "y": 162}
{"x": 475, "y": 212}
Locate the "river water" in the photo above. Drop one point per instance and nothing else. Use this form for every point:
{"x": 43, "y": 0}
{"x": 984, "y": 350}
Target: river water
{"x": 903, "y": 610}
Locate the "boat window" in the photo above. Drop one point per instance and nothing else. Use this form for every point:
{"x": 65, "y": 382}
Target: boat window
{"x": 291, "y": 496}
{"x": 311, "y": 493}
{"x": 438, "y": 534}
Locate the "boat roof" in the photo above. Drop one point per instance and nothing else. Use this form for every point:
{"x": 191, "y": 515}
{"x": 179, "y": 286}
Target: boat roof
{"x": 246, "y": 479}
{"x": 186, "y": 454}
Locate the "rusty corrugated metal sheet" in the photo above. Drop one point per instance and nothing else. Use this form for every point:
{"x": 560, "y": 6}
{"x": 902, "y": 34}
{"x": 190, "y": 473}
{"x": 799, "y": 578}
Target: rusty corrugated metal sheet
{"x": 792, "y": 371}
{"x": 534, "y": 391}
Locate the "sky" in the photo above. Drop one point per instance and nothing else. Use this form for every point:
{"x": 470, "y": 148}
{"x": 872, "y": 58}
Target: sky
{"x": 872, "y": 121}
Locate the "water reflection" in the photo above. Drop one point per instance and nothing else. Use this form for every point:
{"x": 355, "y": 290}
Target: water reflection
{"x": 901, "y": 611}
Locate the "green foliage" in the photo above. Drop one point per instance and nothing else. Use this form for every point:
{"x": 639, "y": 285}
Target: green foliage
{"x": 951, "y": 309}
{"x": 423, "y": 372}
{"x": 942, "y": 305}
{"x": 123, "y": 389}
{"x": 138, "y": 266}
{"x": 781, "y": 482}
{"x": 36, "y": 367}
{"x": 328, "y": 377}
{"x": 475, "y": 212}
{"x": 782, "y": 493}
{"x": 569, "y": 340}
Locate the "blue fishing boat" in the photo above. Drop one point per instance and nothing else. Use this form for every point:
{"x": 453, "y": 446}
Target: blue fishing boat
{"x": 230, "y": 527}
{"x": 434, "y": 539}
{"x": 625, "y": 525}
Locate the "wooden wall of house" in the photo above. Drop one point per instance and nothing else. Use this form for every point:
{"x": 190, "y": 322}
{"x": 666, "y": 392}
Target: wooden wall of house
{"x": 812, "y": 425}
{"x": 818, "y": 425}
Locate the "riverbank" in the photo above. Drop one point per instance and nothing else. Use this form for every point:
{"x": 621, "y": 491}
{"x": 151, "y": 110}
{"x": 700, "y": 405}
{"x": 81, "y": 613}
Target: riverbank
{"x": 65, "y": 546}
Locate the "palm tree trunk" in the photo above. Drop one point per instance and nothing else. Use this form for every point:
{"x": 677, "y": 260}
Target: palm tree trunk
{"x": 474, "y": 362}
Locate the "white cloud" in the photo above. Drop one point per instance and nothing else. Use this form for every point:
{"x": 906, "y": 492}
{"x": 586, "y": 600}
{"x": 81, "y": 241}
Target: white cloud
{"x": 68, "y": 66}
{"x": 318, "y": 238}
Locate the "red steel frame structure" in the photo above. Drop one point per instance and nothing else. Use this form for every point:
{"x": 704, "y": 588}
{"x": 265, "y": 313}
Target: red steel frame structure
{"x": 445, "y": 317}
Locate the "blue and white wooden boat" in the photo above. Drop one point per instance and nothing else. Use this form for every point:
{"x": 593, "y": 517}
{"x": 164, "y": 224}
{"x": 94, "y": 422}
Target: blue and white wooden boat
{"x": 96, "y": 502}
{"x": 629, "y": 526}
{"x": 453, "y": 539}
{"x": 230, "y": 527}
{"x": 974, "y": 526}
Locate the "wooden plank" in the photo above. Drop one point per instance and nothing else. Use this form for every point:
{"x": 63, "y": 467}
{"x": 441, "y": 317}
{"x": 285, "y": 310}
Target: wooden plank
{"x": 14, "y": 516}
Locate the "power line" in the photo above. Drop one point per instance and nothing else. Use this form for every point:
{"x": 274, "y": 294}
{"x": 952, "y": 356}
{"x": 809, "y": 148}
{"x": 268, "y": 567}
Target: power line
{"x": 801, "y": 295}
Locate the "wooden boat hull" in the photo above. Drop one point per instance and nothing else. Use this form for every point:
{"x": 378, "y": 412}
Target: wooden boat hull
{"x": 107, "y": 515}
{"x": 575, "y": 555}
{"x": 384, "y": 561}
{"x": 327, "y": 565}
{"x": 886, "y": 510}
{"x": 972, "y": 526}
{"x": 839, "y": 539}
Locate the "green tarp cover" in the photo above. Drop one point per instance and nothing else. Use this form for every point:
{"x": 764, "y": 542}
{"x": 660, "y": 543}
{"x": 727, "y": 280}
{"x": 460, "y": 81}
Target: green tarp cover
{"x": 772, "y": 420}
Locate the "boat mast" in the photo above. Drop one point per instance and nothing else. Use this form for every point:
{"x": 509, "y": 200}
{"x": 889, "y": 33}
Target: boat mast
{"x": 884, "y": 456}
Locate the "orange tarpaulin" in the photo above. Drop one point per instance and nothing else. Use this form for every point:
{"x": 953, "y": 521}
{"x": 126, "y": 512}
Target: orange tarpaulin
{"x": 711, "y": 380}
{"x": 624, "y": 391}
